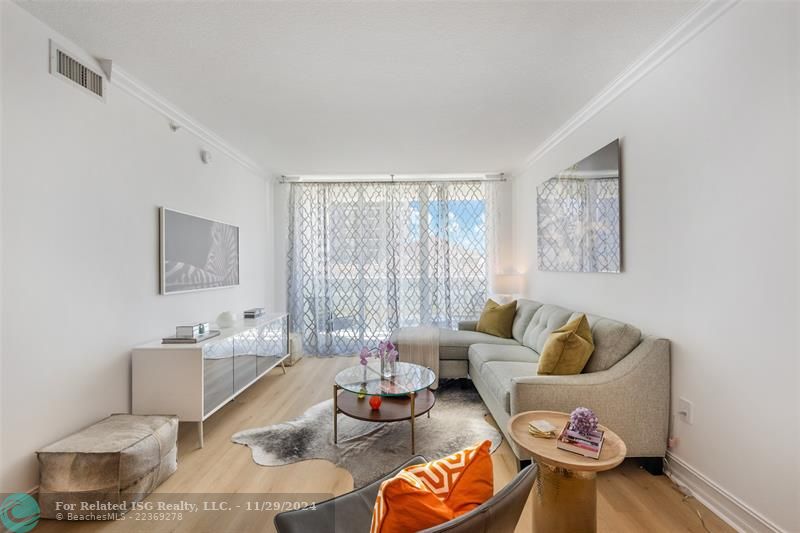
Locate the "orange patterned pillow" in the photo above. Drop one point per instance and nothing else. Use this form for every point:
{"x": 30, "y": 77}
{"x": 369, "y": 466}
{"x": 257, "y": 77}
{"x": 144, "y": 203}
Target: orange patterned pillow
{"x": 423, "y": 496}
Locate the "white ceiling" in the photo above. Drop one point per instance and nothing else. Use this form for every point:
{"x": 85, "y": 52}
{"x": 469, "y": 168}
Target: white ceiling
{"x": 372, "y": 87}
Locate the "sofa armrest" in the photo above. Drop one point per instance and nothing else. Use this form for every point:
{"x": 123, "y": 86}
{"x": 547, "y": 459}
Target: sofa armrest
{"x": 467, "y": 325}
{"x": 631, "y": 397}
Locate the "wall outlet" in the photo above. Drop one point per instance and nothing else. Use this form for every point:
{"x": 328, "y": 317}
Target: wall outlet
{"x": 685, "y": 410}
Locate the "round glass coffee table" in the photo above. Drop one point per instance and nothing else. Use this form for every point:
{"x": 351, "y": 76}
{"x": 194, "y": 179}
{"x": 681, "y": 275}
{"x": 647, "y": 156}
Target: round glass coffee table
{"x": 405, "y": 395}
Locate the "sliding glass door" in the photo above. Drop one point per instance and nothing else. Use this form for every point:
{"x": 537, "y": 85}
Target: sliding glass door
{"x": 366, "y": 258}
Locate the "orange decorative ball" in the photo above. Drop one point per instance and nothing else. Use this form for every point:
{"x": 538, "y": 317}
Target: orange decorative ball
{"x": 375, "y": 402}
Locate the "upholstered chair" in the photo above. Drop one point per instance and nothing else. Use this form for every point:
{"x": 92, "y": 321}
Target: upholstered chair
{"x": 352, "y": 512}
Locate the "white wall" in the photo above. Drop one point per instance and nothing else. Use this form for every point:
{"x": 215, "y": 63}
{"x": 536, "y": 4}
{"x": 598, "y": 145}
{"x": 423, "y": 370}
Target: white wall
{"x": 81, "y": 184}
{"x": 710, "y": 196}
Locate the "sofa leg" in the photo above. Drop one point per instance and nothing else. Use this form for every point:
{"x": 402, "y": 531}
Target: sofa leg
{"x": 653, "y": 465}
{"x": 522, "y": 463}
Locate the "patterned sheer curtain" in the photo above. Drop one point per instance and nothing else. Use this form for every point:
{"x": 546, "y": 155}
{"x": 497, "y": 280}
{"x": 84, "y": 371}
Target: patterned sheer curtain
{"x": 366, "y": 258}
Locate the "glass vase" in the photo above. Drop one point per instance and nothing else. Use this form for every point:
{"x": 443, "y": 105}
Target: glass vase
{"x": 387, "y": 370}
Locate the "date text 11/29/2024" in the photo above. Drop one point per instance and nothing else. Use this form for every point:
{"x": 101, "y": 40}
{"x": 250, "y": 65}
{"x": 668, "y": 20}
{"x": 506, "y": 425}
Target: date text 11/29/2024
{"x": 171, "y": 510}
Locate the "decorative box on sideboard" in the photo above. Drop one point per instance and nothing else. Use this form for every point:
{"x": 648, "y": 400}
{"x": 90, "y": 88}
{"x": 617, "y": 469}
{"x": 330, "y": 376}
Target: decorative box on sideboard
{"x": 193, "y": 381}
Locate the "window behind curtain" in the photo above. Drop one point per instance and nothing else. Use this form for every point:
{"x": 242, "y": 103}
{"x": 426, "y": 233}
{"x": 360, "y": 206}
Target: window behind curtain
{"x": 366, "y": 258}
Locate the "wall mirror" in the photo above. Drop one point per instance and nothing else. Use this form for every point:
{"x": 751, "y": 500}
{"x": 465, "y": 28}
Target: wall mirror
{"x": 578, "y": 216}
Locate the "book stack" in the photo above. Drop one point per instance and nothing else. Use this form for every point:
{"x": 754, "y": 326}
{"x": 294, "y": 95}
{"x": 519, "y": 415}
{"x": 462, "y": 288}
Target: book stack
{"x": 191, "y": 334}
{"x": 255, "y": 312}
{"x": 587, "y": 445}
{"x": 542, "y": 429}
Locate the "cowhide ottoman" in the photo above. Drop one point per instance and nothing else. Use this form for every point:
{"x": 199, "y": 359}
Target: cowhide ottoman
{"x": 99, "y": 471}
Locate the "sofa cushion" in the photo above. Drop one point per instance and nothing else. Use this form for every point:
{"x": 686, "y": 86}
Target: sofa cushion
{"x": 469, "y": 477}
{"x": 425, "y": 496}
{"x": 498, "y": 376}
{"x": 546, "y": 319}
{"x": 480, "y": 354}
{"x": 525, "y": 311}
{"x": 496, "y": 319}
{"x": 567, "y": 349}
{"x": 612, "y": 341}
{"x": 454, "y": 344}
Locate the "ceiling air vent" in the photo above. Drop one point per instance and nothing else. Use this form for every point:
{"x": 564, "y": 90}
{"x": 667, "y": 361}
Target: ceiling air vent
{"x": 63, "y": 65}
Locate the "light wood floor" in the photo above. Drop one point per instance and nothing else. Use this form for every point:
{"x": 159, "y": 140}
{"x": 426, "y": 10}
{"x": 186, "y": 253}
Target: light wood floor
{"x": 629, "y": 499}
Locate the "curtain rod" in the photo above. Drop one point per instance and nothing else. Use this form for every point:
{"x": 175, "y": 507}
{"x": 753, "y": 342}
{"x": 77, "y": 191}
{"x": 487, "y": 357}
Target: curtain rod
{"x": 392, "y": 178}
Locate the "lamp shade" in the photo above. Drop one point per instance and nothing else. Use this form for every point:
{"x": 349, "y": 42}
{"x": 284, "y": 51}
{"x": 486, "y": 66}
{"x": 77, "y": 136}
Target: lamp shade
{"x": 507, "y": 283}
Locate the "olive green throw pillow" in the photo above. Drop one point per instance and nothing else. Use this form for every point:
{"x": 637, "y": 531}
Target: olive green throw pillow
{"x": 567, "y": 349}
{"x": 497, "y": 319}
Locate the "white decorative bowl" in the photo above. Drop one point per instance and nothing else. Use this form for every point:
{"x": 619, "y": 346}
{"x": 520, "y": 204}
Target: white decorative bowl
{"x": 226, "y": 319}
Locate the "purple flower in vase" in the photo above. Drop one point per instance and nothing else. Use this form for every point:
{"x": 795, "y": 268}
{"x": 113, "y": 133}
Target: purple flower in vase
{"x": 364, "y": 355}
{"x": 583, "y": 420}
{"x": 386, "y": 351}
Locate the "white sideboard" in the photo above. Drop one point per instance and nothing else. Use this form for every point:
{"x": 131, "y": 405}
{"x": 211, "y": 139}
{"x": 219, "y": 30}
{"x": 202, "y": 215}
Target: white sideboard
{"x": 193, "y": 381}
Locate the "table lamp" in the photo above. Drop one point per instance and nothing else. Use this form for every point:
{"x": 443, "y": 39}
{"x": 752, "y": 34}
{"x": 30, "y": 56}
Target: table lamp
{"x": 507, "y": 285}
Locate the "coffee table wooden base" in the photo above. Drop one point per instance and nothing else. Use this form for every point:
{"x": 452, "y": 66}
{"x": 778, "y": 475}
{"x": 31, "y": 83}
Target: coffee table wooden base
{"x": 564, "y": 501}
{"x": 392, "y": 409}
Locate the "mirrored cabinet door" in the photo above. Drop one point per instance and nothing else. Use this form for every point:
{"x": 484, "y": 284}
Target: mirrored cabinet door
{"x": 264, "y": 362}
{"x": 245, "y": 350}
{"x": 193, "y": 380}
{"x": 282, "y": 347}
{"x": 274, "y": 343}
{"x": 217, "y": 373}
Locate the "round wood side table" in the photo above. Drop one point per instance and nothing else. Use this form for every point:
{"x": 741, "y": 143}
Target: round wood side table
{"x": 565, "y": 492}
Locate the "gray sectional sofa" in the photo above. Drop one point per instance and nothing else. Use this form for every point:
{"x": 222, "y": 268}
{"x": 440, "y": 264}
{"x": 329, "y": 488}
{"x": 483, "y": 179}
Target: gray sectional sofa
{"x": 626, "y": 381}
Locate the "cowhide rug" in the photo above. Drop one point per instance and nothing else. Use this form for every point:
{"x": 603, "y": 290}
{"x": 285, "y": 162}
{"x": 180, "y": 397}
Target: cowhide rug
{"x": 368, "y": 450}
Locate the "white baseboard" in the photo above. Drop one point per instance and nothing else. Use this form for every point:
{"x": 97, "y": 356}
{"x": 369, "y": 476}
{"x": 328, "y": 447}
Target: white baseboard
{"x": 722, "y": 503}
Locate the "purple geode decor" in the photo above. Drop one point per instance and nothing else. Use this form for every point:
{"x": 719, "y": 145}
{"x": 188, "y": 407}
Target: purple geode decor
{"x": 583, "y": 420}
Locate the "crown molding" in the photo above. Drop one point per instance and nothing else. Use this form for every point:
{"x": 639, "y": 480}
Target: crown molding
{"x": 688, "y": 28}
{"x": 121, "y": 79}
